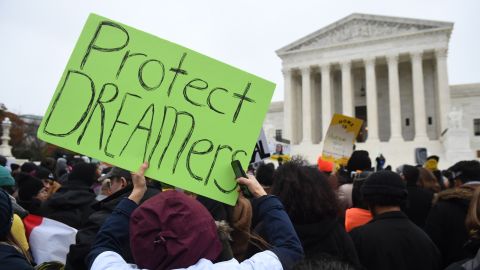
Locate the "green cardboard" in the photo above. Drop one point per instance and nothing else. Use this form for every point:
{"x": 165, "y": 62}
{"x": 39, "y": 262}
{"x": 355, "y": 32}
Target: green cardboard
{"x": 127, "y": 96}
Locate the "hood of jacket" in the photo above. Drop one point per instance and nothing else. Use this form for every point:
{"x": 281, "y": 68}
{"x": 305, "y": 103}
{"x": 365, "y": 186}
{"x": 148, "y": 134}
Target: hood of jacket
{"x": 314, "y": 232}
{"x": 463, "y": 193}
{"x": 110, "y": 202}
{"x": 102, "y": 209}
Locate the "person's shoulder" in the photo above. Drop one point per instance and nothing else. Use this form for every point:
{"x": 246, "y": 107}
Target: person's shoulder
{"x": 10, "y": 258}
{"x": 454, "y": 195}
{"x": 262, "y": 260}
{"x": 373, "y": 228}
{"x": 358, "y": 230}
{"x": 111, "y": 260}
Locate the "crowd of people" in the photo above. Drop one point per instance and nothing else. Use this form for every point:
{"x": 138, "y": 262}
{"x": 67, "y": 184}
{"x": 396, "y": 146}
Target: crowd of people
{"x": 300, "y": 216}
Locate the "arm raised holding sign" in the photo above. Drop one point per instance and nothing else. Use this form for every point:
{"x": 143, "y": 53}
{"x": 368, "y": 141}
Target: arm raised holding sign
{"x": 139, "y": 184}
{"x": 161, "y": 239}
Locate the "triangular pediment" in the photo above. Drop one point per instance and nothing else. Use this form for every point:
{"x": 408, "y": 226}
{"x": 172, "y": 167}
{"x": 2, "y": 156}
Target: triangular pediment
{"x": 362, "y": 27}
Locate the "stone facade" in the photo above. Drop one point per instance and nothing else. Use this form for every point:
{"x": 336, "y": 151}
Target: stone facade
{"x": 391, "y": 72}
{"x": 466, "y": 97}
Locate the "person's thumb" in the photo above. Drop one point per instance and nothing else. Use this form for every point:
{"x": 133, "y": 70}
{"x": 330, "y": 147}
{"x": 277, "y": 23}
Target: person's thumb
{"x": 243, "y": 180}
{"x": 142, "y": 169}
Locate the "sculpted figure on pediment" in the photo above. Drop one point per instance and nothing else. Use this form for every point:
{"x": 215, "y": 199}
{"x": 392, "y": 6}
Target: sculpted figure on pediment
{"x": 357, "y": 30}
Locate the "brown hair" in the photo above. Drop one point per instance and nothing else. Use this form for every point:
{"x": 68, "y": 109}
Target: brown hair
{"x": 428, "y": 180}
{"x": 472, "y": 221}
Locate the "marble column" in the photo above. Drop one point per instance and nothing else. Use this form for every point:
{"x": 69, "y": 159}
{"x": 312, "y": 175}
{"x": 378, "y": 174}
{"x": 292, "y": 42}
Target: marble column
{"x": 326, "y": 98}
{"x": 288, "y": 105}
{"x": 306, "y": 105}
{"x": 443, "y": 88}
{"x": 419, "y": 110}
{"x": 347, "y": 95}
{"x": 394, "y": 99}
{"x": 372, "y": 108}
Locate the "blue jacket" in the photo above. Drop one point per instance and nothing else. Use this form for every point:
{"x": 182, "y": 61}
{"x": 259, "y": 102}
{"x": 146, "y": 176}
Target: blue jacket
{"x": 114, "y": 235}
{"x": 10, "y": 258}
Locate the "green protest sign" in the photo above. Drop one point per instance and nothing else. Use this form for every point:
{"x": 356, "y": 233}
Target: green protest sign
{"x": 127, "y": 96}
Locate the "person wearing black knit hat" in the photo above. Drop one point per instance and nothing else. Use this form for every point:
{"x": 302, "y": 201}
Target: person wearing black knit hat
{"x": 11, "y": 256}
{"x": 264, "y": 175}
{"x": 31, "y": 193}
{"x": 359, "y": 161}
{"x": 396, "y": 242}
{"x": 48, "y": 180}
{"x": 71, "y": 204}
{"x": 28, "y": 167}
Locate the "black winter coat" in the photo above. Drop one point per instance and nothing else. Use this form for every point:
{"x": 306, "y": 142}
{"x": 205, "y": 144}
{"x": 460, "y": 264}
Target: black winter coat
{"x": 10, "y": 258}
{"x": 419, "y": 203}
{"x": 445, "y": 223}
{"x": 33, "y": 207}
{"x": 391, "y": 241}
{"x": 327, "y": 237}
{"x": 71, "y": 204}
{"x": 86, "y": 235}
{"x": 473, "y": 262}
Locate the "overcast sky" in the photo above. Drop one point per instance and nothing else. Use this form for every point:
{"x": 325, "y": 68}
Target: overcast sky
{"x": 37, "y": 37}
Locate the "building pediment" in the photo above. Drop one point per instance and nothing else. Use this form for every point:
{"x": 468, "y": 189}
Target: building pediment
{"x": 362, "y": 27}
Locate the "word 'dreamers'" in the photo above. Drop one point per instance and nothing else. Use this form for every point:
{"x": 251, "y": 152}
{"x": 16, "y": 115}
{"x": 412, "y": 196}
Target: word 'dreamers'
{"x": 127, "y": 96}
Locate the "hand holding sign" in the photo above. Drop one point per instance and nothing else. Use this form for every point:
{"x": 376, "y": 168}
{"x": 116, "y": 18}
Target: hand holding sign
{"x": 340, "y": 137}
{"x": 127, "y": 97}
{"x": 253, "y": 185}
{"x": 139, "y": 184}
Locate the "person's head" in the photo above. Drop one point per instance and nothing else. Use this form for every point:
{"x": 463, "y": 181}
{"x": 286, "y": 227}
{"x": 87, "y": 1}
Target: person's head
{"x": 3, "y": 161}
{"x": 410, "y": 174}
{"x": 61, "y": 168}
{"x": 86, "y": 159}
{"x": 6, "y": 179}
{"x": 6, "y": 215}
{"x": 305, "y": 192}
{"x": 75, "y": 160}
{"x": 48, "y": 163}
{"x": 61, "y": 162}
{"x": 31, "y": 188}
{"x": 83, "y": 173}
{"x": 45, "y": 175}
{"x": 172, "y": 230}
{"x": 264, "y": 174}
{"x": 15, "y": 168}
{"x": 279, "y": 149}
{"x": 431, "y": 163}
{"x": 117, "y": 178}
{"x": 359, "y": 161}
{"x": 358, "y": 181}
{"x": 384, "y": 188}
{"x": 465, "y": 171}
{"x": 472, "y": 220}
{"x": 28, "y": 167}
{"x": 427, "y": 180}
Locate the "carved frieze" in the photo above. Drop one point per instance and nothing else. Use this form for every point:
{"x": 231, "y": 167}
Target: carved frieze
{"x": 360, "y": 29}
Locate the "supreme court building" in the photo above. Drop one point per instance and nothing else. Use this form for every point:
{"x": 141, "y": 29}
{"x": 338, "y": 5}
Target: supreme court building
{"x": 391, "y": 72}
